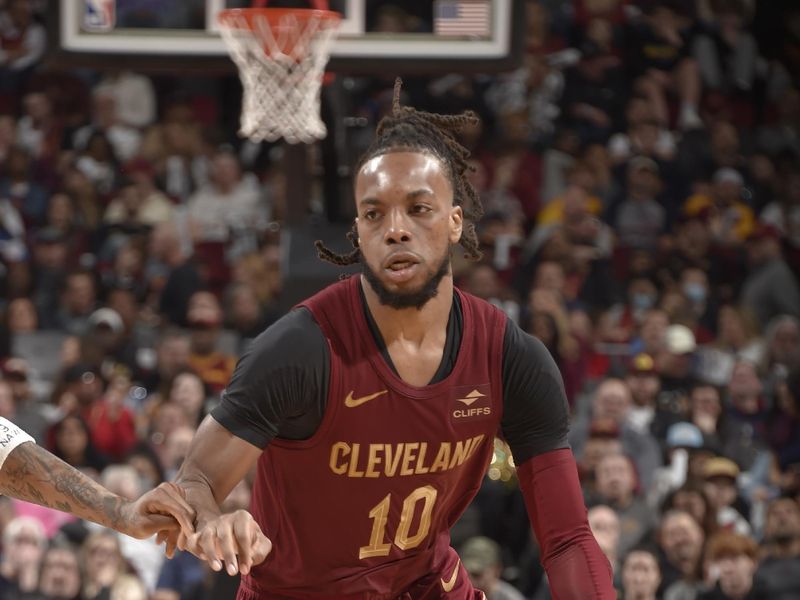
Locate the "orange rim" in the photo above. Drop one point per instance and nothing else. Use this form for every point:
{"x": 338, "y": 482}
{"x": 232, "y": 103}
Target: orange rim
{"x": 273, "y": 15}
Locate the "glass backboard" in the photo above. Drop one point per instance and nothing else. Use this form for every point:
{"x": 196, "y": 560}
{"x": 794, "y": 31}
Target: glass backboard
{"x": 417, "y": 35}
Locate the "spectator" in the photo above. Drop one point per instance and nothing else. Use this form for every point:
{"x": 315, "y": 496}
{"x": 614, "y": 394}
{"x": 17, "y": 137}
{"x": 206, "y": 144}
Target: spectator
{"x": 605, "y": 526}
{"x": 21, "y": 188}
{"x": 70, "y": 440}
{"x": 680, "y": 539}
{"x": 732, "y": 559}
{"x": 719, "y": 476}
{"x": 23, "y": 42}
{"x": 133, "y": 95}
{"x": 612, "y": 402}
{"x": 641, "y": 575}
{"x": 24, "y": 543}
{"x": 779, "y": 569}
{"x": 660, "y": 55}
{"x": 181, "y": 278}
{"x": 102, "y": 565}
{"x": 230, "y": 205}
{"x": 481, "y": 558}
{"x": 640, "y": 218}
{"x": 78, "y": 302}
{"x": 60, "y": 575}
{"x": 768, "y": 274}
{"x": 138, "y": 202}
{"x": 204, "y": 317}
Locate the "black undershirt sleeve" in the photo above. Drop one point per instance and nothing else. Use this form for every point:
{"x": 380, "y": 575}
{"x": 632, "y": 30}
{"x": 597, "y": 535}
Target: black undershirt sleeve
{"x": 535, "y": 410}
{"x": 280, "y": 384}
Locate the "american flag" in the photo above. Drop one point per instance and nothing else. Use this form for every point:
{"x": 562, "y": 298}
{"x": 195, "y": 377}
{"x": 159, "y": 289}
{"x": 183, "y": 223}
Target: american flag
{"x": 461, "y": 17}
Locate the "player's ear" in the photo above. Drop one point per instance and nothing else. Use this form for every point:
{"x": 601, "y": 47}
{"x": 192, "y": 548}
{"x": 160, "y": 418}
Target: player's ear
{"x": 456, "y": 224}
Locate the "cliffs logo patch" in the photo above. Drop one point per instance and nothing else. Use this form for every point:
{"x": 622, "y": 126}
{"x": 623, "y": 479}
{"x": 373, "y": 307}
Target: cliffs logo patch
{"x": 471, "y": 402}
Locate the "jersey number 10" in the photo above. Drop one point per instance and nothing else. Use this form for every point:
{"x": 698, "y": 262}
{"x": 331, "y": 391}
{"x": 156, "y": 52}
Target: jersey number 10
{"x": 402, "y": 539}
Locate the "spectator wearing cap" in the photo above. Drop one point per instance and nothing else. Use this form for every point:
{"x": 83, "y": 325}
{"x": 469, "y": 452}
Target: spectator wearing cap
{"x": 731, "y": 560}
{"x": 481, "y": 559}
{"x": 639, "y": 219}
{"x": 770, "y": 288}
{"x": 641, "y": 575}
{"x": 611, "y": 402}
{"x": 675, "y": 362}
{"x": 138, "y": 202}
{"x": 205, "y": 322}
{"x": 680, "y": 541}
{"x": 616, "y": 485}
{"x": 779, "y": 569}
{"x": 719, "y": 484}
{"x": 644, "y": 385}
{"x": 681, "y": 440}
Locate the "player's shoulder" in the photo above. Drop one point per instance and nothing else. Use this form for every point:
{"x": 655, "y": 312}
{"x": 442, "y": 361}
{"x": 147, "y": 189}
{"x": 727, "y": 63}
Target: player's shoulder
{"x": 522, "y": 345}
{"x": 296, "y": 330}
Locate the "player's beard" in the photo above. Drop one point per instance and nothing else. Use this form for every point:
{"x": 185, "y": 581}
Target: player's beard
{"x": 412, "y": 299}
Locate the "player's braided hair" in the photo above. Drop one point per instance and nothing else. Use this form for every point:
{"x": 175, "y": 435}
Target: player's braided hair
{"x": 407, "y": 129}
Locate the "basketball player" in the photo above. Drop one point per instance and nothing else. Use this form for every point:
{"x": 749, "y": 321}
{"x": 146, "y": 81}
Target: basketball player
{"x": 371, "y": 409}
{"x": 29, "y": 472}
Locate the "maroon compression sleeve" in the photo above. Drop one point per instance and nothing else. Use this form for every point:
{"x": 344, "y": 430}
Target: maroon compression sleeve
{"x": 576, "y": 567}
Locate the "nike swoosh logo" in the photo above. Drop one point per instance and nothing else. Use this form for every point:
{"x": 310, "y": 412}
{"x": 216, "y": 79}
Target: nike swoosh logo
{"x": 451, "y": 583}
{"x": 351, "y": 402}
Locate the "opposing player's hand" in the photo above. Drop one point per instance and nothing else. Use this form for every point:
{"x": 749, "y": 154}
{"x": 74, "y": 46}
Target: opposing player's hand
{"x": 232, "y": 540}
{"x": 163, "y": 510}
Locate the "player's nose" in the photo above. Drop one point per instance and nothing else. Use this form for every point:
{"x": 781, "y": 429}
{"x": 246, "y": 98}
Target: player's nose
{"x": 397, "y": 230}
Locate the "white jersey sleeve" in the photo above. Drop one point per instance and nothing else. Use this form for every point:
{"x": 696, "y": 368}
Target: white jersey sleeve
{"x": 11, "y": 436}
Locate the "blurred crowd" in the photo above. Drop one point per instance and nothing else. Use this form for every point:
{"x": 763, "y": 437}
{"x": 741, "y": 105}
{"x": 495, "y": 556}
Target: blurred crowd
{"x": 640, "y": 174}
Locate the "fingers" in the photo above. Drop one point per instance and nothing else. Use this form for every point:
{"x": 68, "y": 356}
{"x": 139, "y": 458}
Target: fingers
{"x": 233, "y": 541}
{"x": 168, "y": 498}
{"x": 244, "y": 536}
{"x": 261, "y": 548}
{"x": 227, "y": 547}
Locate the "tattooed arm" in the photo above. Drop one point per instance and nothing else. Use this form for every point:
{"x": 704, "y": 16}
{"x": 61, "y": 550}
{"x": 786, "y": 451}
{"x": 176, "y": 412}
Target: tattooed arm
{"x": 31, "y": 473}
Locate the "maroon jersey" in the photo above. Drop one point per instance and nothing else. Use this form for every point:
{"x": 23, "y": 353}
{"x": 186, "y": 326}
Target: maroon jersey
{"x": 363, "y": 508}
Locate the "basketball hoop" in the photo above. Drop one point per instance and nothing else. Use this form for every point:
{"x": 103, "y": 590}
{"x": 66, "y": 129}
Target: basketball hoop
{"x": 281, "y": 55}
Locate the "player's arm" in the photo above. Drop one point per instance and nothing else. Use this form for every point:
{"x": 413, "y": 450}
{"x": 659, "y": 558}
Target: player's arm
{"x": 535, "y": 425}
{"x": 273, "y": 380}
{"x": 31, "y": 473}
{"x": 217, "y": 460}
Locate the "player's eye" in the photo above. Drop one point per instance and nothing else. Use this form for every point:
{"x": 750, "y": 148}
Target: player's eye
{"x": 371, "y": 215}
{"x": 420, "y": 208}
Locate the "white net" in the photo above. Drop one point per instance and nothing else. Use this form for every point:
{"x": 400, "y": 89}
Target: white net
{"x": 281, "y": 61}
